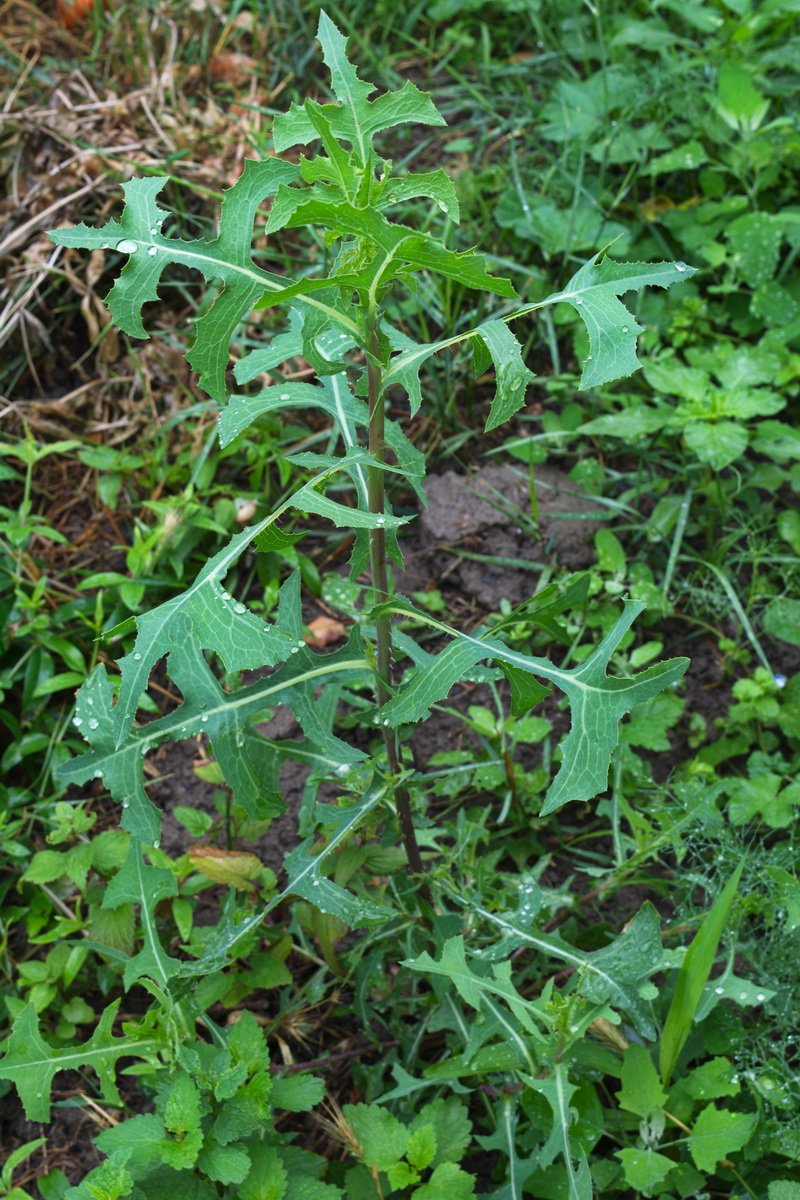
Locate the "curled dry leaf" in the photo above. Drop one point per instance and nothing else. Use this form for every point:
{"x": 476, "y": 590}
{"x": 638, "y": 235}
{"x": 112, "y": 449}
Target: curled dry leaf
{"x": 231, "y": 867}
{"x": 230, "y": 67}
{"x": 246, "y": 511}
{"x": 323, "y": 631}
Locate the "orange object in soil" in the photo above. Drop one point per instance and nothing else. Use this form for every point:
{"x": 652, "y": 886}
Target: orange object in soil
{"x": 74, "y": 12}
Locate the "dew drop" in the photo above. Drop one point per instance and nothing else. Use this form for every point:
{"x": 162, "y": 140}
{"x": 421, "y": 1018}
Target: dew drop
{"x": 77, "y": 722}
{"x": 720, "y": 991}
{"x": 760, "y": 997}
{"x": 295, "y": 649}
{"x": 579, "y": 301}
{"x": 204, "y": 718}
{"x": 624, "y": 328}
{"x": 98, "y": 774}
{"x": 93, "y": 723}
{"x": 681, "y": 267}
{"x": 239, "y": 607}
{"x": 267, "y": 628}
{"x": 153, "y": 250}
{"x": 156, "y": 843}
{"x": 137, "y": 657}
{"x": 285, "y": 396}
{"x": 153, "y": 232}
{"x": 125, "y": 803}
{"x": 316, "y": 883}
{"x": 742, "y": 995}
{"x": 126, "y": 246}
{"x": 90, "y": 701}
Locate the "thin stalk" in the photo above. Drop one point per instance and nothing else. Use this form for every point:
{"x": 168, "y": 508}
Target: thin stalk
{"x": 380, "y": 585}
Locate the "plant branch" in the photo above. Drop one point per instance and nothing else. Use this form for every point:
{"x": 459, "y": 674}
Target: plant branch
{"x": 380, "y": 586}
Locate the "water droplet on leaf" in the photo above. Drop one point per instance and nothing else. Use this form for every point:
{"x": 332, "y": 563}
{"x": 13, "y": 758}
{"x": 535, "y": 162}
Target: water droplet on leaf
{"x": 239, "y": 607}
{"x": 153, "y": 250}
{"x": 126, "y": 246}
{"x": 137, "y": 657}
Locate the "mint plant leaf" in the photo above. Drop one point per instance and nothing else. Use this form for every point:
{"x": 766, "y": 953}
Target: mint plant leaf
{"x": 644, "y": 1168}
{"x": 448, "y": 1182}
{"x": 451, "y": 1126}
{"x": 383, "y": 1139}
{"x": 718, "y": 1133}
{"x": 641, "y": 1091}
{"x": 224, "y": 1164}
{"x": 297, "y": 1093}
{"x": 266, "y": 1179}
{"x": 109, "y": 1181}
{"x": 594, "y": 293}
{"x": 30, "y": 1062}
{"x": 137, "y": 1139}
{"x": 302, "y": 1187}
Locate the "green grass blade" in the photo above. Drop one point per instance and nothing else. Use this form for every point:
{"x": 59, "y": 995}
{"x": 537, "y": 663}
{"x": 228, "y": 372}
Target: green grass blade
{"x": 693, "y": 977}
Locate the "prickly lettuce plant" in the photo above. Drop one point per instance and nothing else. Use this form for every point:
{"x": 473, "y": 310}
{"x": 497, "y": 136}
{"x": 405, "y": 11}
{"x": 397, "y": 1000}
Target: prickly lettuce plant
{"x": 339, "y": 325}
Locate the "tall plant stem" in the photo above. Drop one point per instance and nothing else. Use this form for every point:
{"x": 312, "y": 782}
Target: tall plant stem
{"x": 380, "y": 585}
